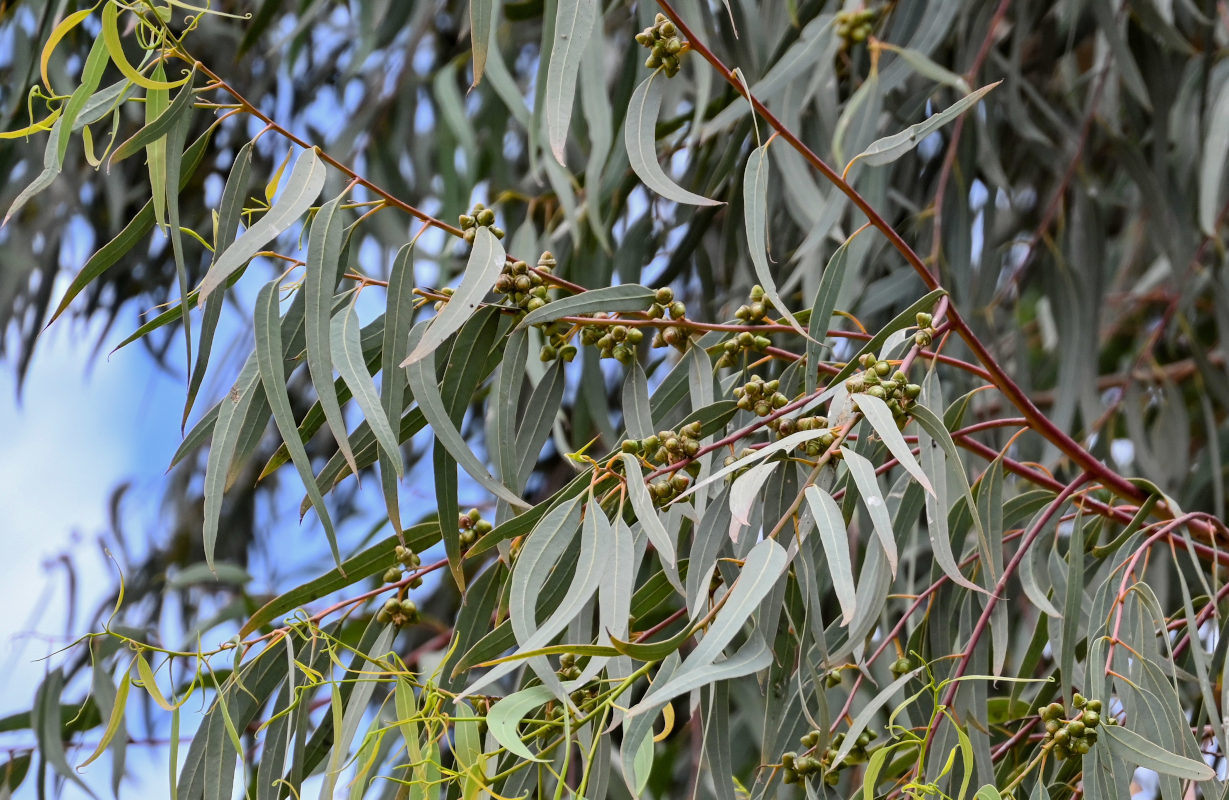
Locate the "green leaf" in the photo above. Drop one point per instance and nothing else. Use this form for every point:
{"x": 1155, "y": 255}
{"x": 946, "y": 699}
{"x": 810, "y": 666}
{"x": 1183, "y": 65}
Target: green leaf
{"x": 426, "y": 392}
{"x": 355, "y": 709}
{"x": 233, "y": 410}
{"x": 115, "y": 46}
{"x": 822, "y": 306}
{"x": 486, "y": 260}
{"x": 137, "y": 228}
{"x": 573, "y": 27}
{"x": 324, "y": 245}
{"x": 1135, "y": 749}
{"x": 229, "y": 214}
{"x": 880, "y": 417}
{"x": 888, "y": 149}
{"x": 159, "y": 125}
{"x": 57, "y": 142}
{"x": 45, "y": 719}
{"x": 835, "y": 540}
{"x": 268, "y": 332}
{"x": 504, "y": 717}
{"x": 863, "y": 473}
{"x": 868, "y": 712}
{"x": 646, "y": 512}
{"x": 761, "y": 570}
{"x": 624, "y": 297}
{"x": 637, "y": 416}
{"x": 302, "y": 188}
{"x": 372, "y": 561}
{"x": 397, "y": 322}
{"x": 539, "y": 554}
{"x": 1212, "y": 163}
{"x": 746, "y": 492}
{"x": 482, "y": 17}
{"x": 640, "y": 137}
{"x": 348, "y": 354}
{"x": 543, "y": 407}
{"x": 114, "y": 722}
{"x": 755, "y": 218}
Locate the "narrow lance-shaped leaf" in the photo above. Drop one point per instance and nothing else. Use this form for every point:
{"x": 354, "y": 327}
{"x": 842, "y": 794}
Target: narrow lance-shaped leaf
{"x": 482, "y": 16}
{"x": 880, "y": 417}
{"x": 504, "y": 717}
{"x": 348, "y": 352}
{"x": 302, "y": 188}
{"x": 324, "y": 245}
{"x": 573, "y": 26}
{"x": 1212, "y": 165}
{"x": 890, "y": 148}
{"x": 227, "y": 228}
{"x": 624, "y": 297}
{"x": 755, "y": 219}
{"x": 863, "y": 473}
{"x": 835, "y": 540}
{"x": 114, "y": 722}
{"x": 397, "y": 321}
{"x": 115, "y": 46}
{"x": 158, "y": 124}
{"x": 426, "y": 392}
{"x": 61, "y": 130}
{"x": 761, "y": 570}
{"x": 642, "y": 504}
{"x": 232, "y": 411}
{"x": 1135, "y": 749}
{"x": 268, "y": 332}
{"x": 110, "y": 253}
{"x": 640, "y": 136}
{"x": 822, "y": 306}
{"x": 486, "y": 260}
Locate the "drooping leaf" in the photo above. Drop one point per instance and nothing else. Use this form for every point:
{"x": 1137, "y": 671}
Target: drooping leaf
{"x": 863, "y": 473}
{"x": 640, "y": 136}
{"x": 273, "y": 377}
{"x": 890, "y": 148}
{"x": 301, "y": 190}
{"x": 835, "y": 539}
{"x": 324, "y": 245}
{"x": 426, "y": 392}
{"x": 348, "y": 357}
{"x": 1135, "y": 749}
{"x": 573, "y": 25}
{"x": 755, "y": 217}
{"x": 486, "y": 259}
{"x": 624, "y": 297}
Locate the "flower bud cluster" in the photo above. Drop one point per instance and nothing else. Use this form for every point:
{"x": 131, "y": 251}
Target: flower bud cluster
{"x": 757, "y": 312}
{"x": 613, "y": 341}
{"x": 406, "y": 559}
{"x": 472, "y": 526}
{"x": 926, "y": 333}
{"x": 800, "y": 767}
{"x": 1073, "y": 737}
{"x": 664, "y": 43}
{"x": 880, "y": 379}
{"x": 479, "y": 217}
{"x": 398, "y": 612}
{"x": 669, "y": 447}
{"x": 526, "y": 288}
{"x": 854, "y": 27}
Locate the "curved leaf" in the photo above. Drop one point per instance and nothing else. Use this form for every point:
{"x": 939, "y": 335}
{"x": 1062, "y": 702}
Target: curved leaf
{"x": 640, "y": 136}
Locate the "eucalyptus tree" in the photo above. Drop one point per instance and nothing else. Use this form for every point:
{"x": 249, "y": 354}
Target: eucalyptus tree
{"x": 839, "y": 390}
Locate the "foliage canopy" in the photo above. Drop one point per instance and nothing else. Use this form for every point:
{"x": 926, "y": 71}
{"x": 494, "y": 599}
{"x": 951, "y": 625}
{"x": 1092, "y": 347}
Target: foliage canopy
{"x": 843, "y": 413}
